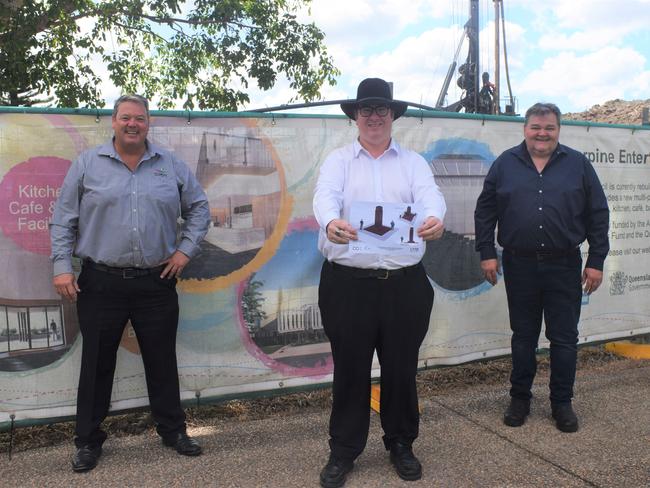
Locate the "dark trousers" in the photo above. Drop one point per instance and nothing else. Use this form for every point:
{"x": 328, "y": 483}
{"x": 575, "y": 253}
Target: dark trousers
{"x": 548, "y": 287}
{"x": 361, "y": 315}
{"x": 104, "y": 305}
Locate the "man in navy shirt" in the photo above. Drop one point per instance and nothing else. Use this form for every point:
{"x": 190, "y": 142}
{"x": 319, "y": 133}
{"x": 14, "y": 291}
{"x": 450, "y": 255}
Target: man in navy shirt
{"x": 546, "y": 199}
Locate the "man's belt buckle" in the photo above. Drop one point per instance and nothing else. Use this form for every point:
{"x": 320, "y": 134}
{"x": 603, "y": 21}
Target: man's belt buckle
{"x": 129, "y": 273}
{"x": 541, "y": 255}
{"x": 385, "y": 275}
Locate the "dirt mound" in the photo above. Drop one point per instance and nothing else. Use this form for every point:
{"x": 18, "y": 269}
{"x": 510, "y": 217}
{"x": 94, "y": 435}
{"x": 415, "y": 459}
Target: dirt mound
{"x": 613, "y": 112}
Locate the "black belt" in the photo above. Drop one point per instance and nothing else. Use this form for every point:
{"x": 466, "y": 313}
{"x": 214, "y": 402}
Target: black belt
{"x": 126, "y": 273}
{"x": 542, "y": 254}
{"x": 379, "y": 274}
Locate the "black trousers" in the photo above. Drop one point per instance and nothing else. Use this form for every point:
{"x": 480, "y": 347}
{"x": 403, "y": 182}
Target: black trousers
{"x": 361, "y": 315}
{"x": 550, "y": 287}
{"x": 104, "y": 305}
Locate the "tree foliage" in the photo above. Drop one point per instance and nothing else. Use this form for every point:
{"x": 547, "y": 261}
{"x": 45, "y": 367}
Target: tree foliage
{"x": 252, "y": 301}
{"x": 202, "y": 52}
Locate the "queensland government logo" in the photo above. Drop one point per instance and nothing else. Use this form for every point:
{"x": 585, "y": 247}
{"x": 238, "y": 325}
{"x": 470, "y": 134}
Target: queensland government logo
{"x": 620, "y": 281}
{"x": 617, "y": 281}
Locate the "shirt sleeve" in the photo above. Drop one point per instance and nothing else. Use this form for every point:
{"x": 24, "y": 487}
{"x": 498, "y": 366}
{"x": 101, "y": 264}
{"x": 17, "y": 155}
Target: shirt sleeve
{"x": 426, "y": 191}
{"x": 65, "y": 219}
{"x": 195, "y": 210}
{"x": 597, "y": 219}
{"x": 328, "y": 196}
{"x": 486, "y": 215}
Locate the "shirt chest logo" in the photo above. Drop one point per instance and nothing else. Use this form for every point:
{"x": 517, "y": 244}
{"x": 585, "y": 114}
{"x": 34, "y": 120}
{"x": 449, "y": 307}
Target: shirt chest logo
{"x": 162, "y": 172}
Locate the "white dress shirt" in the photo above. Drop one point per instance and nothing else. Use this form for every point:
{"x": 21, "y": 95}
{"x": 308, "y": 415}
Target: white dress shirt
{"x": 350, "y": 174}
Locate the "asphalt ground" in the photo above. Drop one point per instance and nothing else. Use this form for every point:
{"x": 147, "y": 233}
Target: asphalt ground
{"x": 463, "y": 443}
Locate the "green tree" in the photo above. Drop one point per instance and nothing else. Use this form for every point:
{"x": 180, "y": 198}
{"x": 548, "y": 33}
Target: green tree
{"x": 252, "y": 300}
{"x": 202, "y": 52}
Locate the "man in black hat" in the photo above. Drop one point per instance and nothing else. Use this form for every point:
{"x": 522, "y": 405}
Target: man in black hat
{"x": 373, "y": 302}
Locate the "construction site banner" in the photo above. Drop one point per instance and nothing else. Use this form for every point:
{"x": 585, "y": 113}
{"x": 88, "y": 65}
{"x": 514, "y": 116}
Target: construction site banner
{"x": 249, "y": 314}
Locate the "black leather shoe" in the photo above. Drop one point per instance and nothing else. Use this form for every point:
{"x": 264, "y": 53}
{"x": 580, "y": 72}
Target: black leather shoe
{"x": 334, "y": 473}
{"x": 516, "y": 412}
{"x": 85, "y": 458}
{"x": 406, "y": 464}
{"x": 183, "y": 444}
{"x": 566, "y": 419}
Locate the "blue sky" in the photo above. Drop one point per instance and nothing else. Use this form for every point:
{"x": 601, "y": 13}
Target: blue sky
{"x": 576, "y": 53}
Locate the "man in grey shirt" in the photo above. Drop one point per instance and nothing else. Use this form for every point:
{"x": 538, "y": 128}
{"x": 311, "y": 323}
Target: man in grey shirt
{"x": 118, "y": 211}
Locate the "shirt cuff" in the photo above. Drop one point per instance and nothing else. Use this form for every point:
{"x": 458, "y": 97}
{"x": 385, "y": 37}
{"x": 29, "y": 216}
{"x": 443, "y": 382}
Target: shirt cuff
{"x": 328, "y": 219}
{"x": 488, "y": 253}
{"x": 62, "y": 266}
{"x": 188, "y": 248}
{"x": 595, "y": 262}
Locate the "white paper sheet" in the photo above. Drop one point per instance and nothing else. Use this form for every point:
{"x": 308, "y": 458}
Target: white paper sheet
{"x": 386, "y": 228}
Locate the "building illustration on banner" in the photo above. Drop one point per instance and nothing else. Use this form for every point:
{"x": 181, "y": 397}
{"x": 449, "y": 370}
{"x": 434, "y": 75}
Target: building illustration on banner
{"x": 237, "y": 171}
{"x": 34, "y": 333}
{"x": 280, "y": 305}
{"x": 459, "y": 167}
{"x": 460, "y": 178}
{"x": 290, "y": 329}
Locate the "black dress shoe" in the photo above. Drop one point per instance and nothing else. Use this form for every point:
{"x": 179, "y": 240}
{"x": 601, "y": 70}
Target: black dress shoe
{"x": 183, "y": 444}
{"x": 406, "y": 464}
{"x": 566, "y": 419}
{"x": 85, "y": 458}
{"x": 334, "y": 473}
{"x": 516, "y": 412}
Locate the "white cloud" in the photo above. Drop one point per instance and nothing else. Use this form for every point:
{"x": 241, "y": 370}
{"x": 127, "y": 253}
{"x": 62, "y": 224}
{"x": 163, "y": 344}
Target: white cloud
{"x": 416, "y": 66}
{"x": 517, "y": 44}
{"x": 354, "y": 25}
{"x": 586, "y": 24}
{"x": 641, "y": 86}
{"x": 578, "y": 82}
{"x": 597, "y": 14}
{"x": 581, "y": 41}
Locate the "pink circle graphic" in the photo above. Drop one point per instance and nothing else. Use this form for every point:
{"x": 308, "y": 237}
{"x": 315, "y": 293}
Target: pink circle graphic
{"x": 325, "y": 364}
{"x": 28, "y": 192}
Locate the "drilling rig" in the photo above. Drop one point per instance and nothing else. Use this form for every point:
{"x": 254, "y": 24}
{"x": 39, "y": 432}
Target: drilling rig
{"x": 475, "y": 98}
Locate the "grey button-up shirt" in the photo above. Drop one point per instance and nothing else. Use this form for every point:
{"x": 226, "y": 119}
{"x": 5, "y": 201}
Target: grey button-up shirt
{"x": 123, "y": 218}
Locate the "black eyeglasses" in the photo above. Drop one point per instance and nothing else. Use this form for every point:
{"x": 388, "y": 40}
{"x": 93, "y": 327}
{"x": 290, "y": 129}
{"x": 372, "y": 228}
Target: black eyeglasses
{"x": 367, "y": 110}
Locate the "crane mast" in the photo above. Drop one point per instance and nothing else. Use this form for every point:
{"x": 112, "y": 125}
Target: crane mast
{"x": 479, "y": 94}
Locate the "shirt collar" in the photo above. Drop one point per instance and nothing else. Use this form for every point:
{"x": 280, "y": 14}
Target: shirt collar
{"x": 521, "y": 151}
{"x": 392, "y": 147}
{"x": 108, "y": 149}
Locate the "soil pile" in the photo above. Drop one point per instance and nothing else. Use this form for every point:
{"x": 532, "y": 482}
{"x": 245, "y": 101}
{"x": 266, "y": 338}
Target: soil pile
{"x": 613, "y": 112}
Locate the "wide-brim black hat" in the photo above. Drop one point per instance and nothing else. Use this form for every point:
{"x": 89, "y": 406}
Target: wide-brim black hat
{"x": 374, "y": 91}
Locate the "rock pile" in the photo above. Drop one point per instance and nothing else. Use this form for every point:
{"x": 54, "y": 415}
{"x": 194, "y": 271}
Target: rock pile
{"x": 613, "y": 112}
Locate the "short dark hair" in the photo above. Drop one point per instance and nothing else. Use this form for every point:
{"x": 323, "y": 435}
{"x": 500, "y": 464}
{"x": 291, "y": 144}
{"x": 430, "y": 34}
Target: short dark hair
{"x": 131, "y": 98}
{"x": 541, "y": 109}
